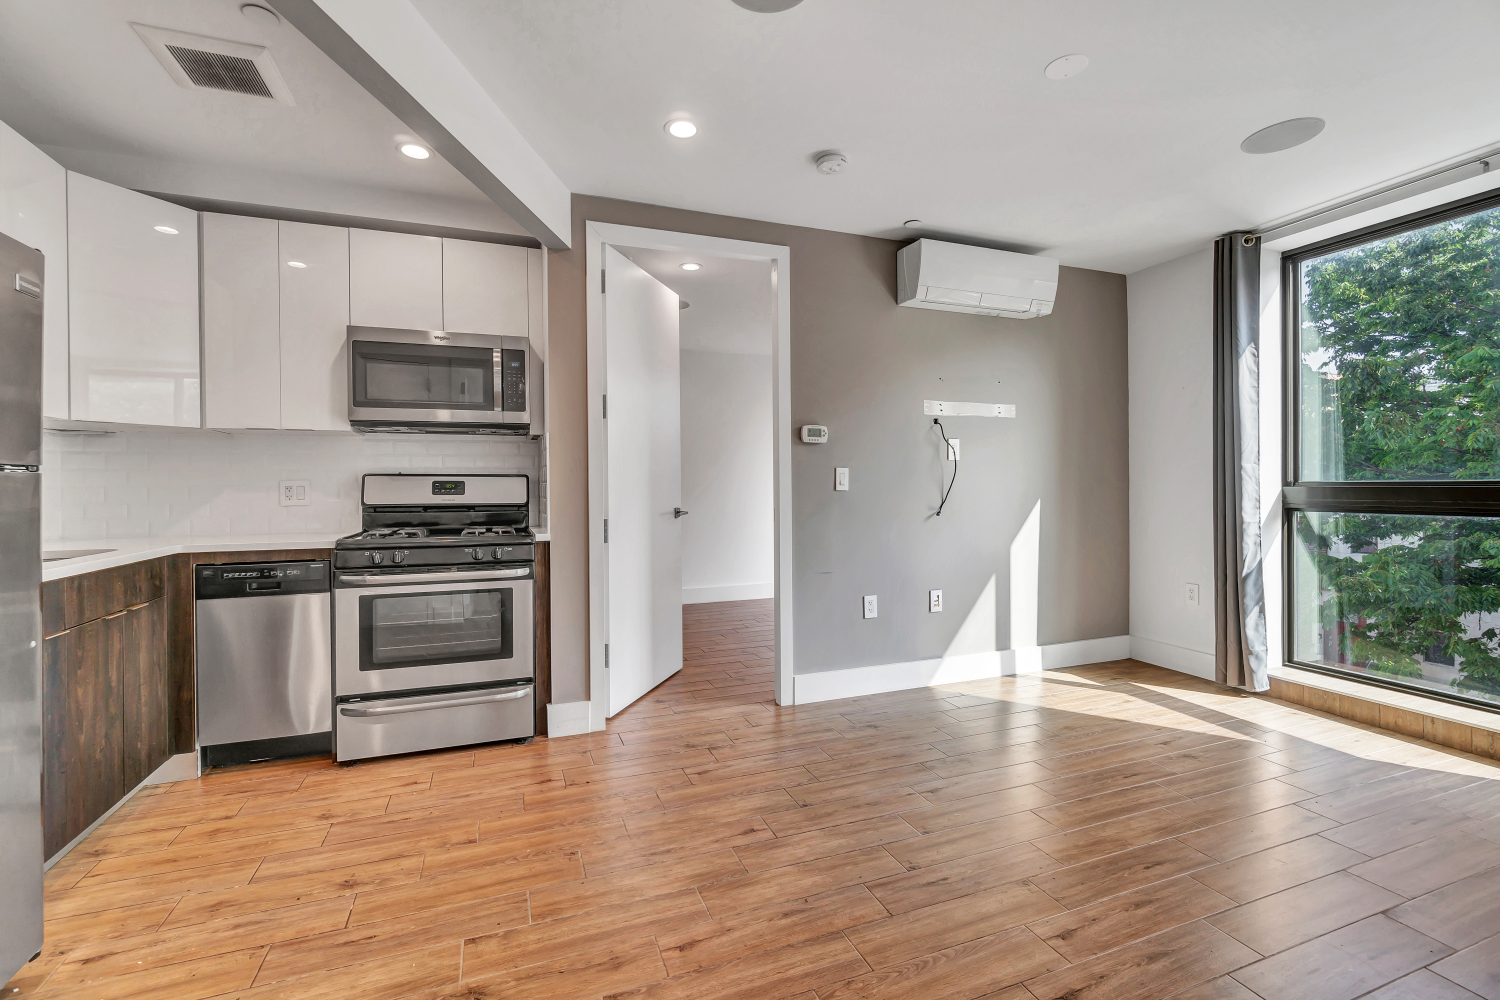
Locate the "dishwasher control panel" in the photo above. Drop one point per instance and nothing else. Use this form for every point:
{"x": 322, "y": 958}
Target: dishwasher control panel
{"x": 256, "y": 579}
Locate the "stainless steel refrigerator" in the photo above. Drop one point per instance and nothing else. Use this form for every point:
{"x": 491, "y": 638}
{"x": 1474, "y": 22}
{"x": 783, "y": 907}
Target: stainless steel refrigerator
{"x": 20, "y": 605}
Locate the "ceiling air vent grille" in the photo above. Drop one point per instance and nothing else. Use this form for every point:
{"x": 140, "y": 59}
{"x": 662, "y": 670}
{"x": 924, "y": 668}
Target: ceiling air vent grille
{"x": 221, "y": 72}
{"x": 198, "y": 62}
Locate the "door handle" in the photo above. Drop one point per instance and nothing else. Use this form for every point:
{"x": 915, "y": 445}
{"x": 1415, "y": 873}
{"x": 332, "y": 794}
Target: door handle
{"x": 358, "y": 711}
{"x": 399, "y": 579}
{"x": 678, "y": 512}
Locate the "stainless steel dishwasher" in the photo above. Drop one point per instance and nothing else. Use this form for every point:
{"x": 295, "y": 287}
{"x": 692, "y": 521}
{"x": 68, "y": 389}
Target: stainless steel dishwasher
{"x": 265, "y": 676}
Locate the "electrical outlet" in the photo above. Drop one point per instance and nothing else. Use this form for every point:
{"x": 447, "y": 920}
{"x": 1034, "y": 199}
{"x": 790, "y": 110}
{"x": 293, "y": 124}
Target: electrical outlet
{"x": 953, "y": 449}
{"x": 841, "y": 479}
{"x": 870, "y": 611}
{"x": 1191, "y": 594}
{"x": 294, "y": 493}
{"x": 934, "y": 600}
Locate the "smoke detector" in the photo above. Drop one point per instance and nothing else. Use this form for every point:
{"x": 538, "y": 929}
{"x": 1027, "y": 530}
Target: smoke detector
{"x": 197, "y": 62}
{"x": 831, "y": 162}
{"x": 767, "y": 6}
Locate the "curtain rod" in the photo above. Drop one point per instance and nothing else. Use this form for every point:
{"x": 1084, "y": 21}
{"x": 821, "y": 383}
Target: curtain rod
{"x": 1431, "y": 180}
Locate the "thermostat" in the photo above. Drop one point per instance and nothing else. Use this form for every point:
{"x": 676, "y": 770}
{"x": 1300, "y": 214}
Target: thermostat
{"x": 814, "y": 434}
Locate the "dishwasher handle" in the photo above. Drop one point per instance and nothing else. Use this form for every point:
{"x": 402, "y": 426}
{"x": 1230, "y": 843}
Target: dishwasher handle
{"x": 401, "y": 579}
{"x": 463, "y": 698}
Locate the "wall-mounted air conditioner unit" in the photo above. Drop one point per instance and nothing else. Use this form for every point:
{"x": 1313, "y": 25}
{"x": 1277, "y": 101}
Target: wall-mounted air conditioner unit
{"x": 935, "y": 275}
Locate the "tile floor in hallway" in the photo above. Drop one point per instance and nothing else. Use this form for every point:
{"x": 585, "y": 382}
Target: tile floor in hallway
{"x": 1108, "y": 832}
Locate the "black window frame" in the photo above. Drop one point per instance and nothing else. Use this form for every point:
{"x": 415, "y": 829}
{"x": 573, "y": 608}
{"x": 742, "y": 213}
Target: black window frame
{"x": 1458, "y": 497}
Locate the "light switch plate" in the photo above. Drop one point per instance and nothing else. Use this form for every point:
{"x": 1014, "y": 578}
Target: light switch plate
{"x": 1190, "y": 593}
{"x": 870, "y": 609}
{"x": 934, "y": 600}
{"x": 294, "y": 492}
{"x": 841, "y": 479}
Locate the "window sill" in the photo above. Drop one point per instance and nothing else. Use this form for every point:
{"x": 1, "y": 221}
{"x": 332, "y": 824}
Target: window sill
{"x": 1469, "y": 730}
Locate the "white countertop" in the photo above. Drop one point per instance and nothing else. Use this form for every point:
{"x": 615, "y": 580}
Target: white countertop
{"x": 123, "y": 551}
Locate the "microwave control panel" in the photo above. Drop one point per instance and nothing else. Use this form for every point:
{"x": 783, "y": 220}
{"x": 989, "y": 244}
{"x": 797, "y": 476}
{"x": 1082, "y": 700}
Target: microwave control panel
{"x": 512, "y": 381}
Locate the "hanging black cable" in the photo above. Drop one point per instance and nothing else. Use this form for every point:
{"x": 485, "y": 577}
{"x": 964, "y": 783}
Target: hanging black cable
{"x": 947, "y": 450}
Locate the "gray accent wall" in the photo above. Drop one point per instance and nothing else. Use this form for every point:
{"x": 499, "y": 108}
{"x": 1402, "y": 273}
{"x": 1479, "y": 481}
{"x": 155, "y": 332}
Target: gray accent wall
{"x": 863, "y": 365}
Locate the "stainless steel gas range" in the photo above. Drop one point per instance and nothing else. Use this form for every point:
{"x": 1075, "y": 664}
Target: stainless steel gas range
{"x": 433, "y": 616}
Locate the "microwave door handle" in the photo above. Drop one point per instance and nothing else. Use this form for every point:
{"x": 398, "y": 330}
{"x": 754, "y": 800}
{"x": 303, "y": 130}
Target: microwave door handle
{"x": 430, "y": 704}
{"x": 402, "y": 579}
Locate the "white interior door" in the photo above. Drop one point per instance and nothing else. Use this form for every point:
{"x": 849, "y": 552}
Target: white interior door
{"x": 643, "y": 480}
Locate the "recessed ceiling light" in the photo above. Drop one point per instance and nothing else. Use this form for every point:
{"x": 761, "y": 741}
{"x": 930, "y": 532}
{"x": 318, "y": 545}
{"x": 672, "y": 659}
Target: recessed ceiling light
{"x": 768, "y": 6}
{"x": 295, "y": 263}
{"x": 681, "y": 128}
{"x": 913, "y": 223}
{"x": 1066, "y": 66}
{"x": 691, "y": 267}
{"x": 415, "y": 151}
{"x": 1282, "y": 135}
{"x": 263, "y": 16}
{"x": 166, "y": 229}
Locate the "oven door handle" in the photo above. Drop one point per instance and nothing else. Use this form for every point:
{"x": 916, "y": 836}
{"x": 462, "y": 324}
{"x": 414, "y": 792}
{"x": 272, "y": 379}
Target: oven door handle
{"x": 400, "y": 579}
{"x": 459, "y": 700}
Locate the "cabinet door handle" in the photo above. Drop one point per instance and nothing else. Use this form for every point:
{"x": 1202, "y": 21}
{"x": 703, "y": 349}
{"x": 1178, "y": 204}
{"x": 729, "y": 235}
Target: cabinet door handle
{"x": 117, "y": 614}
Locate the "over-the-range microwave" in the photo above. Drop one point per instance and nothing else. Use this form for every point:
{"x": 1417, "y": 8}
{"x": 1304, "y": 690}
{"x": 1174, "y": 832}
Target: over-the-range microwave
{"x": 435, "y": 382}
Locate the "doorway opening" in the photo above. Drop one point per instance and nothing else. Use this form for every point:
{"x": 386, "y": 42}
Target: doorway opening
{"x": 688, "y": 467}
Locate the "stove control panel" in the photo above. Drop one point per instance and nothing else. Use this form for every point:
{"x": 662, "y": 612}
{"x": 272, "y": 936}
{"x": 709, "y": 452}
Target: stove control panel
{"x": 444, "y": 555}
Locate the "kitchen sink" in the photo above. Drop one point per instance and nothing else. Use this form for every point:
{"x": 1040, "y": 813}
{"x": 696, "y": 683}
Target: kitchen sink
{"x": 59, "y": 554}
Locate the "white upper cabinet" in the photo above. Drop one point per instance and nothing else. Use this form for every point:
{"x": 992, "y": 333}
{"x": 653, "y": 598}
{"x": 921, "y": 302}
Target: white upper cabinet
{"x": 241, "y": 322}
{"x": 395, "y": 280}
{"x": 485, "y": 288}
{"x": 132, "y": 306}
{"x": 34, "y": 211}
{"x": 314, "y": 276}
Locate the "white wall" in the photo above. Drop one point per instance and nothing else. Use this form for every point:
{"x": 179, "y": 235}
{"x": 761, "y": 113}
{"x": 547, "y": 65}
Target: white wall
{"x": 165, "y": 483}
{"x": 1171, "y": 462}
{"x": 728, "y": 539}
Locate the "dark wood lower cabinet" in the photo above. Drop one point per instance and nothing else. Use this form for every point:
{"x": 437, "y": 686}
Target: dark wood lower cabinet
{"x": 105, "y": 716}
{"x": 139, "y": 636}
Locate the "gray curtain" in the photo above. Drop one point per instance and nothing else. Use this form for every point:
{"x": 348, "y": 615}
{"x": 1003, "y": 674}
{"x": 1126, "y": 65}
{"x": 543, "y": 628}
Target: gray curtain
{"x": 1239, "y": 593}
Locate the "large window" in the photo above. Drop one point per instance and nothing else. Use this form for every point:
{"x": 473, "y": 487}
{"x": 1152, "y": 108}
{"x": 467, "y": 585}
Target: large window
{"x": 1393, "y": 479}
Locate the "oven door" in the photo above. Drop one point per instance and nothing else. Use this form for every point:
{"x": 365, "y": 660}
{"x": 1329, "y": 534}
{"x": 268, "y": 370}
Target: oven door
{"x": 411, "y": 631}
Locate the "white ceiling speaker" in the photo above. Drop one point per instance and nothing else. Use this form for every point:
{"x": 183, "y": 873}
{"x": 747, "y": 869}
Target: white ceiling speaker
{"x": 913, "y": 223}
{"x": 831, "y": 162}
{"x": 1066, "y": 66}
{"x": 1283, "y": 135}
{"x": 198, "y": 62}
{"x": 768, "y": 6}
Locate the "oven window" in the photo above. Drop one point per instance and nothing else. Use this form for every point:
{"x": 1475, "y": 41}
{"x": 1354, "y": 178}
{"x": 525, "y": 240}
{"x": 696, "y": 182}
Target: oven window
{"x": 420, "y": 376}
{"x": 412, "y": 630}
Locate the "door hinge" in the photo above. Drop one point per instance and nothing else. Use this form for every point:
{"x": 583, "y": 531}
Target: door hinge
{"x": 606, "y": 406}
{"x": 606, "y": 656}
{"x": 606, "y": 531}
{"x": 601, "y": 281}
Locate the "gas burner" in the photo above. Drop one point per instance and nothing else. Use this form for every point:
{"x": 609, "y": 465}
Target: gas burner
{"x": 395, "y": 533}
{"x": 486, "y": 532}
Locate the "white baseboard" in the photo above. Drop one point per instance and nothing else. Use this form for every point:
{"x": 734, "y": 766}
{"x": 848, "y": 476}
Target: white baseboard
{"x": 852, "y": 682}
{"x": 1173, "y": 657}
{"x": 734, "y": 592}
{"x": 567, "y": 718}
{"x": 179, "y": 767}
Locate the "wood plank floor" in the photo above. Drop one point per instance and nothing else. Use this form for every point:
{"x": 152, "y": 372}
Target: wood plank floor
{"x": 1110, "y": 832}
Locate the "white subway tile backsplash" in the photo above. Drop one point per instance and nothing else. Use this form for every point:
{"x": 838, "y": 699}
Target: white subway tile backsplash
{"x": 173, "y": 483}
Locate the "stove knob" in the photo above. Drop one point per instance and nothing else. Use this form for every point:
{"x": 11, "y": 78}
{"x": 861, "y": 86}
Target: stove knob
{"x": 477, "y": 554}
{"x": 499, "y": 553}
{"x": 376, "y": 558}
{"x": 398, "y": 557}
